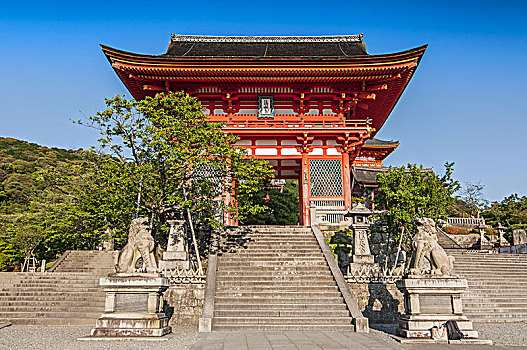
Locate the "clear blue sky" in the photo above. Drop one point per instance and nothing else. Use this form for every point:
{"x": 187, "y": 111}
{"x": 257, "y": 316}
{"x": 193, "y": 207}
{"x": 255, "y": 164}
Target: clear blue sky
{"x": 466, "y": 103}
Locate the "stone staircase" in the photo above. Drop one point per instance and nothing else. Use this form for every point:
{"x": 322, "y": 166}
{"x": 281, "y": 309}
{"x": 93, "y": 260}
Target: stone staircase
{"x": 496, "y": 286}
{"x": 276, "y": 278}
{"x": 70, "y": 295}
{"x": 100, "y": 263}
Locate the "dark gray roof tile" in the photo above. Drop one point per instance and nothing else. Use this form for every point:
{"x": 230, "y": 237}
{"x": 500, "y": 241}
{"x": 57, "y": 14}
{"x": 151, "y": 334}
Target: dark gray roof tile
{"x": 253, "y": 46}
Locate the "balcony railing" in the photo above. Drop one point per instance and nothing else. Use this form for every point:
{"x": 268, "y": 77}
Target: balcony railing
{"x": 289, "y": 121}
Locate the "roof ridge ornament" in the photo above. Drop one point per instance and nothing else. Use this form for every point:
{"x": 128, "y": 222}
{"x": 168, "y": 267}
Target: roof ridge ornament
{"x": 357, "y": 38}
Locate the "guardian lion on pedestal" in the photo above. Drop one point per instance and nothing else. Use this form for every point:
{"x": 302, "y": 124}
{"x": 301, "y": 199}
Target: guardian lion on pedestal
{"x": 426, "y": 246}
{"x": 140, "y": 245}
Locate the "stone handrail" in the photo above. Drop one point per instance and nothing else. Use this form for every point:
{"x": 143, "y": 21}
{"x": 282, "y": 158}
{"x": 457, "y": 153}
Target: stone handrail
{"x": 360, "y": 322}
{"x": 59, "y": 261}
{"x": 466, "y": 222}
{"x": 205, "y": 322}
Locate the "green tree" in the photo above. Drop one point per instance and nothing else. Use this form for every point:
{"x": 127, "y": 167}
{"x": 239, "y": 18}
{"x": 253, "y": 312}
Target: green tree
{"x": 160, "y": 155}
{"x": 510, "y": 212}
{"x": 473, "y": 198}
{"x": 281, "y": 202}
{"x": 411, "y": 192}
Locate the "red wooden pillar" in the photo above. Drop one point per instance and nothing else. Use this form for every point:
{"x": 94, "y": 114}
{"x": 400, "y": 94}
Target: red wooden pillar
{"x": 300, "y": 200}
{"x": 346, "y": 180}
{"x": 304, "y": 180}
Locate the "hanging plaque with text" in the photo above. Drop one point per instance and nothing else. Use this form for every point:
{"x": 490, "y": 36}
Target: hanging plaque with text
{"x": 265, "y": 106}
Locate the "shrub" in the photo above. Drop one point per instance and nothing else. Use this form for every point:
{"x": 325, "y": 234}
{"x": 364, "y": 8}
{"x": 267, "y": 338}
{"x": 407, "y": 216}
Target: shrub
{"x": 489, "y": 231}
{"x": 454, "y": 230}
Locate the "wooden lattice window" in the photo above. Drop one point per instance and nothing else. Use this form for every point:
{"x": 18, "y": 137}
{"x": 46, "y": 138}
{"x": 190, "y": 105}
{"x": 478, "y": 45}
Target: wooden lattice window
{"x": 326, "y": 177}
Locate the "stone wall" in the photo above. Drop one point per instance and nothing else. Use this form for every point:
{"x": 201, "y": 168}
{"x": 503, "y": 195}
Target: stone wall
{"x": 184, "y": 303}
{"x": 380, "y": 303}
{"x": 470, "y": 240}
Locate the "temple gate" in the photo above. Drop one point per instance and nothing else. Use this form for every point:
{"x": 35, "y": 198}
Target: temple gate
{"x": 305, "y": 104}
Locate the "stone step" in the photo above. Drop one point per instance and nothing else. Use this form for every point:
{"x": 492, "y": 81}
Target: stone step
{"x": 494, "y": 272}
{"x": 278, "y": 242}
{"x": 52, "y": 289}
{"x": 489, "y": 262}
{"x": 274, "y": 274}
{"x": 76, "y": 311}
{"x": 51, "y": 298}
{"x": 51, "y": 303}
{"x": 276, "y": 281}
{"x": 262, "y": 228}
{"x": 254, "y": 279}
{"x": 490, "y": 268}
{"x": 87, "y": 285}
{"x": 492, "y": 309}
{"x": 273, "y": 263}
{"x": 269, "y": 289}
{"x": 274, "y": 243}
{"x": 50, "y": 314}
{"x": 243, "y": 252}
{"x": 51, "y": 293}
{"x": 292, "y": 262}
{"x": 47, "y": 274}
{"x": 272, "y": 269}
{"x": 496, "y": 286}
{"x": 290, "y": 327}
{"x": 284, "y": 283}
{"x": 282, "y": 320}
{"x": 494, "y": 289}
{"x": 256, "y": 236}
{"x": 279, "y": 294}
{"x": 308, "y": 240}
{"x": 518, "y": 300}
{"x": 274, "y": 300}
{"x": 474, "y": 284}
{"x": 259, "y": 256}
{"x": 277, "y": 306}
{"x": 68, "y": 296}
{"x": 281, "y": 313}
{"x": 495, "y": 315}
{"x": 272, "y": 258}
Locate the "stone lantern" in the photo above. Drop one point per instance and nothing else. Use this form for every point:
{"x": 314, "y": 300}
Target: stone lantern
{"x": 501, "y": 231}
{"x": 360, "y": 225}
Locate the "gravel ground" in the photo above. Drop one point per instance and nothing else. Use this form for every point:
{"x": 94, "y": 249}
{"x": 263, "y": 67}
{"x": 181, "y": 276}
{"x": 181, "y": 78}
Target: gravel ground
{"x": 505, "y": 335}
{"x": 17, "y": 337}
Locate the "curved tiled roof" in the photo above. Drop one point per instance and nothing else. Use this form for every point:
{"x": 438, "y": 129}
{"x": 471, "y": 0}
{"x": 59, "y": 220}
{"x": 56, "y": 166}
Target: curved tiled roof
{"x": 378, "y": 142}
{"x": 266, "y": 46}
{"x": 367, "y": 176}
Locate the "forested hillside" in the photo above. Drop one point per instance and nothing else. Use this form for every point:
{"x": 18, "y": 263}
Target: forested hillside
{"x": 22, "y": 169}
{"x": 36, "y": 187}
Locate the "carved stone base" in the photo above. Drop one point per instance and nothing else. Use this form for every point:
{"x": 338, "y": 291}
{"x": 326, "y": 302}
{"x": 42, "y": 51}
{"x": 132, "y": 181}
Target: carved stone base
{"x": 431, "y": 301}
{"x": 363, "y": 259}
{"x": 133, "y": 306}
{"x": 173, "y": 260}
{"x": 131, "y": 325}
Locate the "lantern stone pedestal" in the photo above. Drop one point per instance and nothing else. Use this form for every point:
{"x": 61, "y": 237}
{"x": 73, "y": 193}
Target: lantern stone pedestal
{"x": 176, "y": 255}
{"x": 431, "y": 301}
{"x": 133, "y": 307}
{"x": 360, "y": 225}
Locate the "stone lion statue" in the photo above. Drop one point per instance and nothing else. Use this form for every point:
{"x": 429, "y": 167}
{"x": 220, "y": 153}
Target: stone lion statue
{"x": 140, "y": 245}
{"x": 426, "y": 246}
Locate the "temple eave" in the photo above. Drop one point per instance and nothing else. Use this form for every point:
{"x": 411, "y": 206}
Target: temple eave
{"x": 116, "y": 54}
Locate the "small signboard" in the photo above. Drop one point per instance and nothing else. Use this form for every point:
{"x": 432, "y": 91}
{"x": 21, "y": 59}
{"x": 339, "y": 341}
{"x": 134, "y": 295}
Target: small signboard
{"x": 265, "y": 106}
